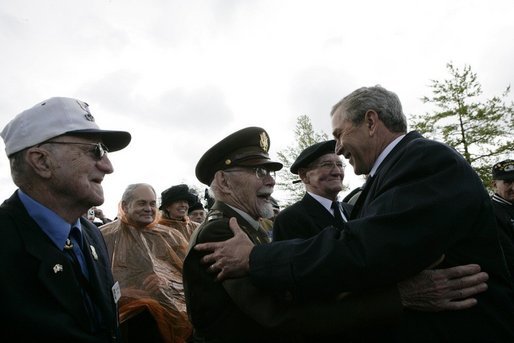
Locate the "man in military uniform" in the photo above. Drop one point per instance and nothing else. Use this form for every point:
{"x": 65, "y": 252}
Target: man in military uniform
{"x": 240, "y": 174}
{"x": 503, "y": 203}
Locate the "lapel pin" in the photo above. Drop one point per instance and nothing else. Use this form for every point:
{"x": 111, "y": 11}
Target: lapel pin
{"x": 57, "y": 268}
{"x": 93, "y": 252}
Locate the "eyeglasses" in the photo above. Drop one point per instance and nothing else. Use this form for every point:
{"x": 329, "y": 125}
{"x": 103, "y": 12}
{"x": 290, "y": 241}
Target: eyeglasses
{"x": 260, "y": 172}
{"x": 329, "y": 165}
{"x": 98, "y": 150}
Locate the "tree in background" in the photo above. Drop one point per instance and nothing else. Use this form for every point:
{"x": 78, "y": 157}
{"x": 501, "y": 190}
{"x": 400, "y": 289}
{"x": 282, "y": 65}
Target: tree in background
{"x": 483, "y": 132}
{"x": 304, "y": 137}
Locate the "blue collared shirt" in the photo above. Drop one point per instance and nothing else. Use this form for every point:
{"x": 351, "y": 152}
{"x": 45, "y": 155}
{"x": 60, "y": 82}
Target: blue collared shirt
{"x": 56, "y": 228}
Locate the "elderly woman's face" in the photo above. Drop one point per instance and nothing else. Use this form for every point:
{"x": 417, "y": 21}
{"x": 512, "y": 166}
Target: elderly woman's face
{"x": 178, "y": 209}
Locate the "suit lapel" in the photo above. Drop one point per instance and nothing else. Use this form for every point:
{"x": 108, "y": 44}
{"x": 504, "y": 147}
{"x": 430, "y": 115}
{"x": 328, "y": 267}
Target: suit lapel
{"x": 371, "y": 186}
{"x": 257, "y": 236}
{"x": 97, "y": 270}
{"x": 55, "y": 270}
{"x": 317, "y": 211}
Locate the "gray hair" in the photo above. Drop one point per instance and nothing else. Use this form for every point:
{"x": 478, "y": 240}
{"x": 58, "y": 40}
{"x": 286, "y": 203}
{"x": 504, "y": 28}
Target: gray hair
{"x": 384, "y": 102}
{"x": 128, "y": 195}
{"x": 19, "y": 167}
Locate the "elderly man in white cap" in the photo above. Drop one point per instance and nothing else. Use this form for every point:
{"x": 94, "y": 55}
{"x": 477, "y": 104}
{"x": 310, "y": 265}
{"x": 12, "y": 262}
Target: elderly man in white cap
{"x": 56, "y": 277}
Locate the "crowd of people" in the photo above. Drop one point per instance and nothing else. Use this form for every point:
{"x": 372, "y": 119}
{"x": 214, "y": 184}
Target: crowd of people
{"x": 419, "y": 253}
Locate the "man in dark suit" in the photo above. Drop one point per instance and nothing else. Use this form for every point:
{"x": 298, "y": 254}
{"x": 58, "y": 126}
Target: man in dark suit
{"x": 56, "y": 284}
{"x": 322, "y": 173}
{"x": 421, "y": 200}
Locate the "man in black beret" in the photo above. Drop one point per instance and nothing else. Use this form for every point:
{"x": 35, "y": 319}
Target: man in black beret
{"x": 503, "y": 203}
{"x": 321, "y": 171}
{"x": 197, "y": 212}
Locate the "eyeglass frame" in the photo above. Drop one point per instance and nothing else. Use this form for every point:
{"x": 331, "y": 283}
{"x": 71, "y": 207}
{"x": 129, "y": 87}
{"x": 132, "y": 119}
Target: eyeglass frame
{"x": 328, "y": 165}
{"x": 260, "y": 172}
{"x": 99, "y": 150}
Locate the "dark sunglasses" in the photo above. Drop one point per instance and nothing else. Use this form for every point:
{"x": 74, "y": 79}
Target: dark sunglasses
{"x": 98, "y": 149}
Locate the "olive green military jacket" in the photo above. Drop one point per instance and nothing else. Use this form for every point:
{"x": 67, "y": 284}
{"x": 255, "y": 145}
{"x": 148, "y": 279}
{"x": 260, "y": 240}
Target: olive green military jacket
{"x": 236, "y": 311}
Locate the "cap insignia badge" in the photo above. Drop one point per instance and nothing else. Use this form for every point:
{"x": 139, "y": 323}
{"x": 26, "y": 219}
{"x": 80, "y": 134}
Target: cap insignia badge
{"x": 264, "y": 142}
{"x": 85, "y": 107}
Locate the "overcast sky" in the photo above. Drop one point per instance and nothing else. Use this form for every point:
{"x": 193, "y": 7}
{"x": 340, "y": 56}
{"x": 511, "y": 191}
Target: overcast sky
{"x": 181, "y": 75}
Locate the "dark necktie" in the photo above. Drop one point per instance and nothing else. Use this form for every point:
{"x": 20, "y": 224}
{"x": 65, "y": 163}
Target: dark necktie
{"x": 337, "y": 214}
{"x": 73, "y": 247}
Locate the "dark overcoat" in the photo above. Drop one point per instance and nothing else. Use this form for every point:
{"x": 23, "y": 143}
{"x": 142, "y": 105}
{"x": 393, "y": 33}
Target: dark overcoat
{"x": 40, "y": 296}
{"x": 304, "y": 219}
{"x": 424, "y": 201}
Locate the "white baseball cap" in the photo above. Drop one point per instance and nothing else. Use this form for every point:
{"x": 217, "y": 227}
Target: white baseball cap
{"x": 55, "y": 117}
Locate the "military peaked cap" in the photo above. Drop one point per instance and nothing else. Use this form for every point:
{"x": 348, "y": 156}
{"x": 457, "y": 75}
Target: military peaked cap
{"x": 247, "y": 147}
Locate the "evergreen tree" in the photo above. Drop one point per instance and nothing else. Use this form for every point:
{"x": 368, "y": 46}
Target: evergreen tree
{"x": 481, "y": 130}
{"x": 304, "y": 136}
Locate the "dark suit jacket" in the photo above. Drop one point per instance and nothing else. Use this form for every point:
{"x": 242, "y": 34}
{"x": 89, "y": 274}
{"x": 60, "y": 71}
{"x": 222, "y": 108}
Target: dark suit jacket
{"x": 40, "y": 302}
{"x": 236, "y": 311}
{"x": 505, "y": 219}
{"x": 424, "y": 201}
{"x": 304, "y": 219}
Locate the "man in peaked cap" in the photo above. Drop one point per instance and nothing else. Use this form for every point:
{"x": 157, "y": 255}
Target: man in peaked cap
{"x": 322, "y": 172}
{"x": 503, "y": 203}
{"x": 55, "y": 270}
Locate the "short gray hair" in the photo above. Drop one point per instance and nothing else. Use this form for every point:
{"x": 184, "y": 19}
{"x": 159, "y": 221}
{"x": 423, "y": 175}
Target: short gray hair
{"x": 19, "y": 168}
{"x": 128, "y": 194}
{"x": 384, "y": 102}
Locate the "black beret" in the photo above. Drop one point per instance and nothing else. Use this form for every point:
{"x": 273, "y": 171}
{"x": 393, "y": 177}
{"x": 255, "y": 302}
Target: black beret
{"x": 311, "y": 153}
{"x": 176, "y": 193}
{"x": 196, "y": 206}
{"x": 504, "y": 170}
{"x": 247, "y": 147}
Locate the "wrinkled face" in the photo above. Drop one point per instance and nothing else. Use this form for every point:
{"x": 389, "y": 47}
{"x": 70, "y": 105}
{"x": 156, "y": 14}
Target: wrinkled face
{"x": 76, "y": 171}
{"x": 505, "y": 189}
{"x": 197, "y": 216}
{"x": 324, "y": 176}
{"x": 353, "y": 142}
{"x": 178, "y": 209}
{"x": 250, "y": 193}
{"x": 142, "y": 207}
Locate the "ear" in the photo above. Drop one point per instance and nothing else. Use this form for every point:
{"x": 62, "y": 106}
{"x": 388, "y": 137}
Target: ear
{"x": 302, "y": 173}
{"x": 40, "y": 161}
{"x": 222, "y": 181}
{"x": 371, "y": 120}
{"x": 124, "y": 206}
